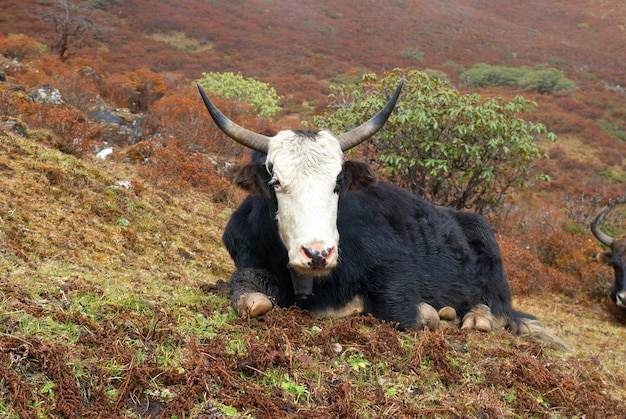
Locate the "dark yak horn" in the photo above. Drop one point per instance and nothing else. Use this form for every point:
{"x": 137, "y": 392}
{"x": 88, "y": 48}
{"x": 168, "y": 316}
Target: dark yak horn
{"x": 238, "y": 133}
{"x": 361, "y": 133}
{"x": 601, "y": 235}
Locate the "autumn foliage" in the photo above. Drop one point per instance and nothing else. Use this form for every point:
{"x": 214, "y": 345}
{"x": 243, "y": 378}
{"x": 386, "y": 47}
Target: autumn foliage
{"x": 135, "y": 90}
{"x": 19, "y": 47}
{"x": 170, "y": 167}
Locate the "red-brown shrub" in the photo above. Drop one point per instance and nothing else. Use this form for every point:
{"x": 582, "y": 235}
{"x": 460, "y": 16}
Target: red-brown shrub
{"x": 42, "y": 70}
{"x": 610, "y": 157}
{"x": 71, "y": 132}
{"x": 136, "y": 90}
{"x": 171, "y": 168}
{"x": 557, "y": 255}
{"x": 527, "y": 275}
{"x": 19, "y": 47}
{"x": 183, "y": 118}
{"x": 569, "y": 104}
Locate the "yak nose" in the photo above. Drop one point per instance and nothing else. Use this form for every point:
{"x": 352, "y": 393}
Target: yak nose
{"x": 317, "y": 258}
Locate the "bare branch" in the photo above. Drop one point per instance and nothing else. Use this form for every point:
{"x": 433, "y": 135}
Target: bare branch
{"x": 74, "y": 25}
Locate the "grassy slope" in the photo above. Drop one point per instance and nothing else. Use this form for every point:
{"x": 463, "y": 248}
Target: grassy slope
{"x": 102, "y": 312}
{"x": 59, "y": 207}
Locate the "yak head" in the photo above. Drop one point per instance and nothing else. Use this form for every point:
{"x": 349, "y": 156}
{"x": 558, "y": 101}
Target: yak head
{"x": 303, "y": 175}
{"x": 615, "y": 257}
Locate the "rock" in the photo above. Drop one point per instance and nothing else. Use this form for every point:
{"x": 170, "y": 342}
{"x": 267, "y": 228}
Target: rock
{"x": 120, "y": 127}
{"x": 47, "y": 95}
{"x": 105, "y": 153}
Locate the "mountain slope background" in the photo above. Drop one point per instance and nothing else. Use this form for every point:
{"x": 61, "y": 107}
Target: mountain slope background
{"x": 288, "y": 40}
{"x": 110, "y": 300}
{"x": 300, "y": 48}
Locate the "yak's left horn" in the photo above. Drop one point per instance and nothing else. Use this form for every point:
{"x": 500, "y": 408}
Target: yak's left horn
{"x": 238, "y": 133}
{"x": 361, "y": 133}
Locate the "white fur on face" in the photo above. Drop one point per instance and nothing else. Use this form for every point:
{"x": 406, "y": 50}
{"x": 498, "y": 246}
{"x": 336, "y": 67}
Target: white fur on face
{"x": 306, "y": 170}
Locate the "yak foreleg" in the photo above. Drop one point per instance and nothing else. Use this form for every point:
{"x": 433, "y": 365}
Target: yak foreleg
{"x": 254, "y": 292}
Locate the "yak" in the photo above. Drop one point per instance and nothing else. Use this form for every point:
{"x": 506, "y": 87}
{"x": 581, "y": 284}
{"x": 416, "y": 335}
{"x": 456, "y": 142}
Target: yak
{"x": 615, "y": 257}
{"x": 324, "y": 234}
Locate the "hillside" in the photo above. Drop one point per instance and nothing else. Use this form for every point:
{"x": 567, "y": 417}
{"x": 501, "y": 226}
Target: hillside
{"x": 111, "y": 303}
{"x": 286, "y": 42}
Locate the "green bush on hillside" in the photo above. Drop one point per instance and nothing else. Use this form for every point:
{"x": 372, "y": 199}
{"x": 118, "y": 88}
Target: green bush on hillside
{"x": 614, "y": 129}
{"x": 260, "y": 95}
{"x": 457, "y": 150}
{"x": 541, "y": 80}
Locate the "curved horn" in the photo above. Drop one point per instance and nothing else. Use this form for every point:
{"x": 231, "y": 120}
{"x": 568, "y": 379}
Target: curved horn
{"x": 238, "y": 133}
{"x": 364, "y": 131}
{"x": 601, "y": 235}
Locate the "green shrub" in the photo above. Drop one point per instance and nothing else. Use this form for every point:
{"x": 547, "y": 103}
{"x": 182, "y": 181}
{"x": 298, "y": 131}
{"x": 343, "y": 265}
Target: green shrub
{"x": 260, "y": 95}
{"x": 545, "y": 80}
{"x": 456, "y": 150}
{"x": 614, "y": 129}
{"x": 541, "y": 80}
{"x": 413, "y": 54}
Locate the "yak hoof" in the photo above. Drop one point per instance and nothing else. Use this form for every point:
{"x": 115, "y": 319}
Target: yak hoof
{"x": 427, "y": 316}
{"x": 252, "y": 304}
{"x": 447, "y": 313}
{"x": 448, "y": 318}
{"x": 479, "y": 318}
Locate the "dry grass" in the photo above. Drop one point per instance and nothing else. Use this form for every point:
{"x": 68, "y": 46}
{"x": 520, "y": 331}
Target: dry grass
{"x": 589, "y": 328}
{"x": 179, "y": 40}
{"x": 57, "y": 206}
{"x": 574, "y": 147}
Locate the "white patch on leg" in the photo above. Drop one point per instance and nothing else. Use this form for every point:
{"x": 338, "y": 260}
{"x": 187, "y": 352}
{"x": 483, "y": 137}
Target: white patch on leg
{"x": 351, "y": 308}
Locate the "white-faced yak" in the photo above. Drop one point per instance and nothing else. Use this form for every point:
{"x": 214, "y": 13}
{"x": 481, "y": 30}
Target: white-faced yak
{"x": 323, "y": 234}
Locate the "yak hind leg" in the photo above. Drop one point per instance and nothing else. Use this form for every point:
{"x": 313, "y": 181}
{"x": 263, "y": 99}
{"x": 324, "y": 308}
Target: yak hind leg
{"x": 427, "y": 316}
{"x": 448, "y": 318}
{"x": 444, "y": 318}
{"x": 254, "y": 291}
{"x": 481, "y": 318}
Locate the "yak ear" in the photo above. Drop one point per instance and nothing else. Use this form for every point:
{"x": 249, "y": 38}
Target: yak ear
{"x": 354, "y": 176}
{"x": 253, "y": 178}
{"x": 603, "y": 257}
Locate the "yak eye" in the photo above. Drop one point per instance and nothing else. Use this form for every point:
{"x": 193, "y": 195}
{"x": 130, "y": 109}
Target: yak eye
{"x": 274, "y": 183}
